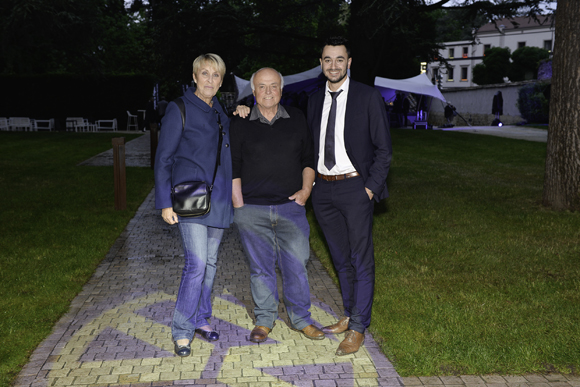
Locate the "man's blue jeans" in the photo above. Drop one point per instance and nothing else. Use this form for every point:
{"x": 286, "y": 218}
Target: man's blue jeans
{"x": 193, "y": 307}
{"x": 271, "y": 235}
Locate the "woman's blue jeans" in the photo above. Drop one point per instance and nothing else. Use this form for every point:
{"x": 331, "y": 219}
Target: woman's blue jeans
{"x": 193, "y": 307}
{"x": 277, "y": 234}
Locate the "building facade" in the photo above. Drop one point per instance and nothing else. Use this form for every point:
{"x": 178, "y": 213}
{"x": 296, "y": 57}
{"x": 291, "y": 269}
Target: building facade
{"x": 463, "y": 56}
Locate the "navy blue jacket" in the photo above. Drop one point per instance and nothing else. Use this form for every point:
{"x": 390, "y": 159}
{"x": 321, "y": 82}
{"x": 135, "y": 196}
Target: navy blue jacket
{"x": 190, "y": 155}
{"x": 366, "y": 134}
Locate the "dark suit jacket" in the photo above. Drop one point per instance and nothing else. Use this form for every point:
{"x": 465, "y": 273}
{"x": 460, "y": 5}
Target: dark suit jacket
{"x": 366, "y": 134}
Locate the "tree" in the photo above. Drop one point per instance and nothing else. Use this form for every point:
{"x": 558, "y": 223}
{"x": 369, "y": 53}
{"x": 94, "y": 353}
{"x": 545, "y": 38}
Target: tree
{"x": 390, "y": 38}
{"x": 61, "y": 36}
{"x": 45, "y": 36}
{"x": 457, "y": 24}
{"x": 248, "y": 35}
{"x": 562, "y": 177}
{"x": 525, "y": 63}
{"x": 493, "y": 69}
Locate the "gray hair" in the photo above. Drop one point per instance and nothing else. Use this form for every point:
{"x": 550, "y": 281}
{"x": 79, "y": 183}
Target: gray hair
{"x": 264, "y": 68}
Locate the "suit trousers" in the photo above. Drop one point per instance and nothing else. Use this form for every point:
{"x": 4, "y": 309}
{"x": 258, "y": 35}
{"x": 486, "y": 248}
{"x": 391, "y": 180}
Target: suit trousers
{"x": 345, "y": 214}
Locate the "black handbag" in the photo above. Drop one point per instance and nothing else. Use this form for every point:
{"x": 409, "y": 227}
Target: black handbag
{"x": 193, "y": 198}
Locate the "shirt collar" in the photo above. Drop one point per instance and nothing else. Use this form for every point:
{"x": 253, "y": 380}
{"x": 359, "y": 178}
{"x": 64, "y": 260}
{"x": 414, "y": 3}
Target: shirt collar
{"x": 343, "y": 87}
{"x": 257, "y": 115}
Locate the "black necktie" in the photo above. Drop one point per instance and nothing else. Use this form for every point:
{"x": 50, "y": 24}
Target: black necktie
{"x": 329, "y": 159}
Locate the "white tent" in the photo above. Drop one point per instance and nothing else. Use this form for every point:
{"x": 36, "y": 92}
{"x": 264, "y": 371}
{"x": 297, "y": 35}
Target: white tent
{"x": 242, "y": 85}
{"x": 310, "y": 81}
{"x": 419, "y": 84}
{"x": 305, "y": 78}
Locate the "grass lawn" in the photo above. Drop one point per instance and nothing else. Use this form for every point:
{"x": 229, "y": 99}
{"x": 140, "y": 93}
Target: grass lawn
{"x": 536, "y": 126}
{"x": 473, "y": 275}
{"x": 57, "y": 223}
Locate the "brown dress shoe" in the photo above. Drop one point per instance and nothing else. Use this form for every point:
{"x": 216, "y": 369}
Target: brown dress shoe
{"x": 313, "y": 332}
{"x": 351, "y": 343}
{"x": 259, "y": 334}
{"x": 339, "y": 327}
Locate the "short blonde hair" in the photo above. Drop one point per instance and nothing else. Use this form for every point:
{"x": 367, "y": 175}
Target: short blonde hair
{"x": 212, "y": 60}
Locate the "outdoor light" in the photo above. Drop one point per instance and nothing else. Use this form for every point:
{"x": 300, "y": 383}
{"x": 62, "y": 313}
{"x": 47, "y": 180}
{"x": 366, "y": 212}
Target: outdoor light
{"x": 500, "y": 124}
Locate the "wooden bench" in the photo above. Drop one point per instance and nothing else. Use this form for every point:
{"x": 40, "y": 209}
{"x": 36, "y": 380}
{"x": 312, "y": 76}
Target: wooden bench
{"x": 107, "y": 124}
{"x": 43, "y": 125}
{"x": 19, "y": 123}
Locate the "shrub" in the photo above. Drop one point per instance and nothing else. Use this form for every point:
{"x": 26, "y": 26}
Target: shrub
{"x": 533, "y": 102}
{"x": 494, "y": 68}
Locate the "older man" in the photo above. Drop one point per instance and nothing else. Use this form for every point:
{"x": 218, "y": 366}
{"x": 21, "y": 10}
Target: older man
{"x": 273, "y": 172}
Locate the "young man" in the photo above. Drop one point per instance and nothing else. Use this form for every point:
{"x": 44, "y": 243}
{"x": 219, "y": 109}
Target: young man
{"x": 352, "y": 145}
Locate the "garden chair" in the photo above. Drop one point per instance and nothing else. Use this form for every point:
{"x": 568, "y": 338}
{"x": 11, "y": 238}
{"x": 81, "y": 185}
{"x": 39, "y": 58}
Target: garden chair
{"x": 4, "y": 123}
{"x": 132, "y": 121}
{"x": 78, "y": 123}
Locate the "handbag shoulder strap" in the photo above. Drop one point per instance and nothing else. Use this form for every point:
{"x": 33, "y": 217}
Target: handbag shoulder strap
{"x": 219, "y": 148}
{"x": 181, "y": 106}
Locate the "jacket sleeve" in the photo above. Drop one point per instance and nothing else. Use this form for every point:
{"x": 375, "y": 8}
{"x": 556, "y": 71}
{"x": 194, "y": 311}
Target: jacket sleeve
{"x": 169, "y": 138}
{"x": 236, "y": 146}
{"x": 307, "y": 154}
{"x": 381, "y": 140}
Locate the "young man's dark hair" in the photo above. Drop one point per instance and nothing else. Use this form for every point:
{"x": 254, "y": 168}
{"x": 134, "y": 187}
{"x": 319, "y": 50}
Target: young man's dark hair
{"x": 336, "y": 41}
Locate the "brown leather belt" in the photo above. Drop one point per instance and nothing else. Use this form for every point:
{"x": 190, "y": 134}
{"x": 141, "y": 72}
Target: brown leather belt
{"x": 338, "y": 177}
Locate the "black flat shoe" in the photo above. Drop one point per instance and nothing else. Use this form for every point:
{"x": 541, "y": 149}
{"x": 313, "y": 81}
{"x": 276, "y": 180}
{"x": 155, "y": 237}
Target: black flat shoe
{"x": 208, "y": 335}
{"x": 183, "y": 350}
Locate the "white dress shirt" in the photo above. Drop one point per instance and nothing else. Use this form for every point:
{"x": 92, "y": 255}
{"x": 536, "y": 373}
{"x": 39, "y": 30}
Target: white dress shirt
{"x": 343, "y": 164}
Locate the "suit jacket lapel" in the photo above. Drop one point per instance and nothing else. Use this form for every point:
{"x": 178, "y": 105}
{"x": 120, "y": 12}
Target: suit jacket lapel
{"x": 349, "y": 113}
{"x": 317, "y": 119}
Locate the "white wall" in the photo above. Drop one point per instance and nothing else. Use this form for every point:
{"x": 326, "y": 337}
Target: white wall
{"x": 478, "y": 100}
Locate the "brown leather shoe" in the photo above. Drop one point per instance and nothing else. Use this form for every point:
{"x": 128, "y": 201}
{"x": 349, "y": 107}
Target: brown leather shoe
{"x": 339, "y": 327}
{"x": 351, "y": 343}
{"x": 313, "y": 332}
{"x": 259, "y": 334}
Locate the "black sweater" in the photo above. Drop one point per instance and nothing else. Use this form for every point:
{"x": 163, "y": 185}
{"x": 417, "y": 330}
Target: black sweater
{"x": 270, "y": 158}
